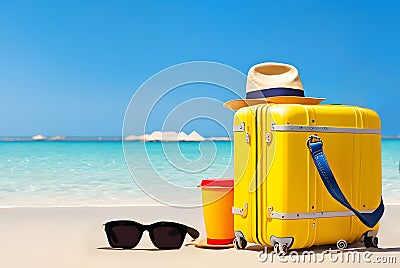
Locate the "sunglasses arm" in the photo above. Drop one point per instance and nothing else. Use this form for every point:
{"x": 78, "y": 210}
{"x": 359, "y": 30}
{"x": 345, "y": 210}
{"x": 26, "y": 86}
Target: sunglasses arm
{"x": 193, "y": 232}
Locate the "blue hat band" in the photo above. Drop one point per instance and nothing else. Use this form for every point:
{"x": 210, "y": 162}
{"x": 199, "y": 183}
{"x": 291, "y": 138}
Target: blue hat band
{"x": 273, "y": 92}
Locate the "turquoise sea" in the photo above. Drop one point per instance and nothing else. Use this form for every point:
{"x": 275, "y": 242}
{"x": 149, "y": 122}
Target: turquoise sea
{"x": 72, "y": 173}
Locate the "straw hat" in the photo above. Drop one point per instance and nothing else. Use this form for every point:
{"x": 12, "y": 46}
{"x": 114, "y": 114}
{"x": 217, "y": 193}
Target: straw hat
{"x": 272, "y": 82}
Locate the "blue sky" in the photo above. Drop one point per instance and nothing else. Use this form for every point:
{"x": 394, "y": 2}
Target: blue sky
{"x": 71, "y": 67}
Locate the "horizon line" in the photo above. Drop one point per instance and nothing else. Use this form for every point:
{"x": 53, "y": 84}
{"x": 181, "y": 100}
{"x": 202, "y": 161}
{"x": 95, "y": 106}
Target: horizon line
{"x": 96, "y": 138}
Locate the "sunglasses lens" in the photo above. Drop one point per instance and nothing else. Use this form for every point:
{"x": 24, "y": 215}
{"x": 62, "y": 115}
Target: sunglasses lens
{"x": 124, "y": 236}
{"x": 167, "y": 237}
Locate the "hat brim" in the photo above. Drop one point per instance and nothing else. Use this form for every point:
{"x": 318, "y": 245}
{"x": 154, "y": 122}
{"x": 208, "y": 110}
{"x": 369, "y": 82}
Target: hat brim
{"x": 237, "y": 104}
{"x": 203, "y": 244}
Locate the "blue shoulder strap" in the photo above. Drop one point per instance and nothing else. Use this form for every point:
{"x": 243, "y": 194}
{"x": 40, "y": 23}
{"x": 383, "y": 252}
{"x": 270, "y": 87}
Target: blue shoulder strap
{"x": 314, "y": 143}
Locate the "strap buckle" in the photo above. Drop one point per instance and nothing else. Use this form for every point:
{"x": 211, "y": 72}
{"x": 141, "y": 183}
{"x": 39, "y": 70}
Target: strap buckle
{"x": 313, "y": 139}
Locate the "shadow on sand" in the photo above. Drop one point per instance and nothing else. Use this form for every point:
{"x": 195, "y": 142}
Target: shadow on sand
{"x": 131, "y": 249}
{"x": 142, "y": 249}
{"x": 319, "y": 249}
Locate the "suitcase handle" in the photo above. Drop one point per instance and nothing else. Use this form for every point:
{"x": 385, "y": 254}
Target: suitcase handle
{"x": 314, "y": 143}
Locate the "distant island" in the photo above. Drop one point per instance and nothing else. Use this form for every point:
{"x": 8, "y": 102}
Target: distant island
{"x": 173, "y": 136}
{"x": 156, "y": 136}
{"x": 391, "y": 137}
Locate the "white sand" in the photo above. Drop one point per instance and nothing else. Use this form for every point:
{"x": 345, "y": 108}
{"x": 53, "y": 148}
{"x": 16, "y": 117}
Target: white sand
{"x": 74, "y": 237}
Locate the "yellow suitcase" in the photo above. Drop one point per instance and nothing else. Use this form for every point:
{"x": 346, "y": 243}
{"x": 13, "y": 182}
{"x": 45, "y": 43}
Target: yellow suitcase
{"x": 280, "y": 198}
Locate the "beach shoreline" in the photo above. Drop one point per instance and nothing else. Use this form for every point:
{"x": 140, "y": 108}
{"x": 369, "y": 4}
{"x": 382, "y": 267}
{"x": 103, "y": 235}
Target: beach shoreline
{"x": 74, "y": 237}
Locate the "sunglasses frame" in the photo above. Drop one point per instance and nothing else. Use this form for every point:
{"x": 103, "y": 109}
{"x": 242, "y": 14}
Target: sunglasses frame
{"x": 183, "y": 230}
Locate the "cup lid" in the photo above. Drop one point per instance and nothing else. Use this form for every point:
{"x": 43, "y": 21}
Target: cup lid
{"x": 217, "y": 183}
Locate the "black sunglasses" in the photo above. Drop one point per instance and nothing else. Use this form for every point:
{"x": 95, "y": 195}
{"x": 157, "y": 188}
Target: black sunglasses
{"x": 164, "y": 235}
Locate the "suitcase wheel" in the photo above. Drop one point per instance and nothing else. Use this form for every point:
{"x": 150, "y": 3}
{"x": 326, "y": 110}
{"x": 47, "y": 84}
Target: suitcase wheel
{"x": 341, "y": 244}
{"x": 239, "y": 243}
{"x": 371, "y": 241}
{"x": 280, "y": 249}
